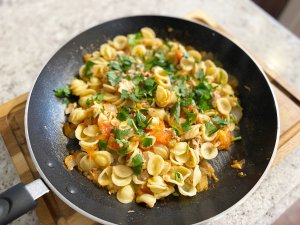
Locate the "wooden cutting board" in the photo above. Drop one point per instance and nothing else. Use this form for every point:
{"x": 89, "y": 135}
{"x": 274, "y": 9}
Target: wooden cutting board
{"x": 51, "y": 210}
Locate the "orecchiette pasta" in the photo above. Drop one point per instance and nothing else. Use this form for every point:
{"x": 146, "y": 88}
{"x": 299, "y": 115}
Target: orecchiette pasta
{"x": 148, "y": 114}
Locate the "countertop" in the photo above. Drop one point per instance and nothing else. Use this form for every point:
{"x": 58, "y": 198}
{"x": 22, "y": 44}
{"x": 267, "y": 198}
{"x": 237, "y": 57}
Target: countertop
{"x": 31, "y": 31}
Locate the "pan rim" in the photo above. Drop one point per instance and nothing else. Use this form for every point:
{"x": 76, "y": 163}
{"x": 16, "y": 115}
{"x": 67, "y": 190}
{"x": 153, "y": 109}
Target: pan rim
{"x": 97, "y": 219}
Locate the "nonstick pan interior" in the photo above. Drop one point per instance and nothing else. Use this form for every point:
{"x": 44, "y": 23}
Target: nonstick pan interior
{"x": 258, "y": 128}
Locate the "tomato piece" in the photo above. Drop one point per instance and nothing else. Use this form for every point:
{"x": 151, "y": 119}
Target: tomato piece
{"x": 112, "y": 144}
{"x": 104, "y": 130}
{"x": 178, "y": 55}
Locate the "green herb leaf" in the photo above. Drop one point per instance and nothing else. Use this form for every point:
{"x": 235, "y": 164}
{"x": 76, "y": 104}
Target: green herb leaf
{"x": 121, "y": 134}
{"x": 137, "y": 164}
{"x": 102, "y": 144}
{"x": 220, "y": 121}
{"x": 141, "y": 119}
{"x": 95, "y": 98}
{"x": 175, "y": 111}
{"x": 177, "y": 176}
{"x": 190, "y": 115}
{"x": 63, "y": 92}
{"x": 87, "y": 69}
{"x": 124, "y": 149}
{"x": 123, "y": 114}
{"x": 115, "y": 66}
{"x": 147, "y": 142}
{"x": 186, "y": 126}
{"x": 126, "y": 62}
{"x": 237, "y": 138}
{"x": 113, "y": 78}
{"x": 134, "y": 39}
{"x": 210, "y": 128}
{"x": 124, "y": 94}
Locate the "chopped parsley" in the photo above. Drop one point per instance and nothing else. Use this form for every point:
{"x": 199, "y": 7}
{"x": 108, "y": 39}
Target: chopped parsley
{"x": 113, "y": 78}
{"x": 102, "y": 144}
{"x": 63, "y": 92}
{"x": 137, "y": 164}
{"x": 203, "y": 93}
{"x": 186, "y": 126}
{"x": 134, "y": 39}
{"x": 123, "y": 114}
{"x": 159, "y": 59}
{"x": 237, "y": 138}
{"x": 147, "y": 142}
{"x": 95, "y": 98}
{"x": 87, "y": 69}
{"x": 210, "y": 128}
{"x": 177, "y": 176}
{"x": 175, "y": 111}
{"x": 220, "y": 121}
{"x": 121, "y": 134}
{"x": 124, "y": 149}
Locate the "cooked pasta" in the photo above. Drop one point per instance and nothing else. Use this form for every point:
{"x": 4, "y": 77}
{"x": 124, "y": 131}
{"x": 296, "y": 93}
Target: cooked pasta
{"x": 149, "y": 115}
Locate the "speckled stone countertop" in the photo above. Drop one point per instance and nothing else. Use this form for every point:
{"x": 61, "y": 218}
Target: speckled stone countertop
{"x": 31, "y": 31}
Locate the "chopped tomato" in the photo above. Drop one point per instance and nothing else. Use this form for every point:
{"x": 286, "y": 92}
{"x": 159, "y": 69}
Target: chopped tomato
{"x": 162, "y": 136}
{"x": 104, "y": 130}
{"x": 178, "y": 55}
{"x": 112, "y": 144}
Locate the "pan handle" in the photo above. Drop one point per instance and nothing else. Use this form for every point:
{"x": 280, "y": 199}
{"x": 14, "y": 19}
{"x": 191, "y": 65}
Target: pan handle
{"x": 20, "y": 199}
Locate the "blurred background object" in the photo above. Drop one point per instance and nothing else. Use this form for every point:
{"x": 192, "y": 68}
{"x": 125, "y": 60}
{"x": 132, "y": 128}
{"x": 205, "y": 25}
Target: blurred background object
{"x": 287, "y": 12}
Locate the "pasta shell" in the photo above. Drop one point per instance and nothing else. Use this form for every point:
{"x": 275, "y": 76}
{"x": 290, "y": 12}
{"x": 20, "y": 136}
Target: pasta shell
{"x": 103, "y": 158}
{"x": 125, "y": 194}
{"x": 157, "y": 184}
{"x": 77, "y": 116}
{"x": 195, "y": 54}
{"x": 208, "y": 150}
{"x": 174, "y": 179}
{"x": 90, "y": 130}
{"x": 223, "y": 106}
{"x": 192, "y": 133}
{"x": 196, "y": 175}
{"x": 185, "y": 172}
{"x": 182, "y": 158}
{"x": 161, "y": 77}
{"x": 108, "y": 52}
{"x": 161, "y": 96}
{"x": 148, "y": 33}
{"x": 187, "y": 190}
{"x": 166, "y": 169}
{"x": 79, "y": 132}
{"x": 180, "y": 148}
{"x": 122, "y": 171}
{"x": 155, "y": 165}
{"x": 161, "y": 150}
{"x": 156, "y": 112}
{"x": 77, "y": 86}
{"x": 165, "y": 193}
{"x": 120, "y": 42}
{"x": 88, "y": 144}
{"x": 187, "y": 64}
{"x": 193, "y": 160}
{"x": 139, "y": 50}
{"x": 86, "y": 163}
{"x": 120, "y": 181}
{"x": 104, "y": 178}
{"x": 150, "y": 200}
{"x": 136, "y": 180}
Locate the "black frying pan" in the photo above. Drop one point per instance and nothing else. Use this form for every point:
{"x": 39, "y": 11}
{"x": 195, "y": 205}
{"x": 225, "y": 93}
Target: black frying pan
{"x": 48, "y": 146}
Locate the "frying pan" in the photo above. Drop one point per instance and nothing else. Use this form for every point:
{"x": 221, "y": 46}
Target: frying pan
{"x": 48, "y": 146}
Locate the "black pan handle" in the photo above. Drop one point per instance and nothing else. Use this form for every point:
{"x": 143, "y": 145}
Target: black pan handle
{"x": 20, "y": 199}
